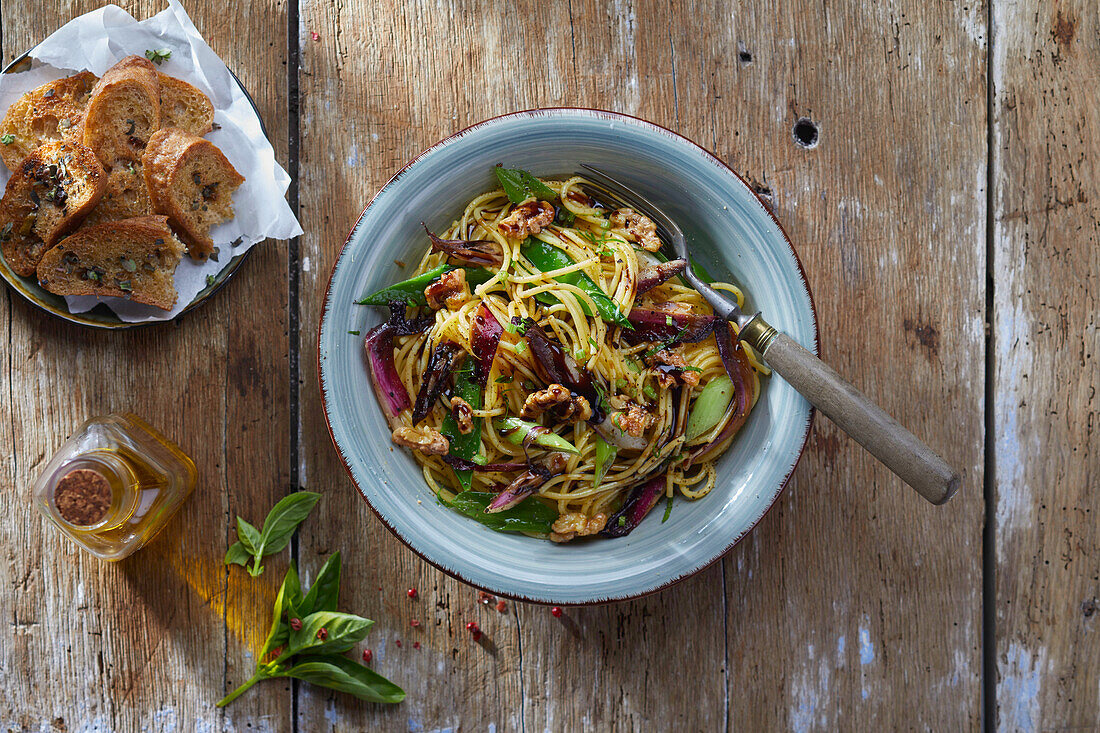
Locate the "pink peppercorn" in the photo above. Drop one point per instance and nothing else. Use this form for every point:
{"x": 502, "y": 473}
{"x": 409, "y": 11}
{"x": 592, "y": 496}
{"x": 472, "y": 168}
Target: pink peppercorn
{"x": 368, "y": 655}
{"x": 296, "y": 624}
{"x": 555, "y": 612}
{"x": 414, "y": 623}
{"x": 322, "y": 633}
{"x": 416, "y": 645}
{"x": 411, "y": 593}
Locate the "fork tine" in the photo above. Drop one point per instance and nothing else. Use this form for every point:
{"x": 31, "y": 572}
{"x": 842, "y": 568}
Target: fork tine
{"x": 618, "y": 190}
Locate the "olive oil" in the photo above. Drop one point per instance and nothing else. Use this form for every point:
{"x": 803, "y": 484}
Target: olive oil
{"x": 114, "y": 485}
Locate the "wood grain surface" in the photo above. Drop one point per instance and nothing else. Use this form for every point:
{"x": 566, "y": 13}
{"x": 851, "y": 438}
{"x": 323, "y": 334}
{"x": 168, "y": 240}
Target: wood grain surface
{"x": 1046, "y": 257}
{"x": 853, "y": 606}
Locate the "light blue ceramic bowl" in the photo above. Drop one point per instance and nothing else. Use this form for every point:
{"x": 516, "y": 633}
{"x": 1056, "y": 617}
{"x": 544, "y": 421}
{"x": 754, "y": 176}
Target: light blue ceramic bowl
{"x": 732, "y": 234}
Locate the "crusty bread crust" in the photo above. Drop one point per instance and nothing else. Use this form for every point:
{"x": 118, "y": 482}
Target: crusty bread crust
{"x": 123, "y": 112}
{"x": 184, "y": 106}
{"x": 50, "y": 112}
{"x": 192, "y": 182}
{"x": 133, "y": 258}
{"x": 52, "y": 190}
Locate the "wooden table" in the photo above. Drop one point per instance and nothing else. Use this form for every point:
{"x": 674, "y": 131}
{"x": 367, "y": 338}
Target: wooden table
{"x": 949, "y": 221}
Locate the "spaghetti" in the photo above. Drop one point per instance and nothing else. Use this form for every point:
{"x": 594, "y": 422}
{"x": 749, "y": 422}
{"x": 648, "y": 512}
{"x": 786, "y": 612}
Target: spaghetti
{"x": 608, "y": 385}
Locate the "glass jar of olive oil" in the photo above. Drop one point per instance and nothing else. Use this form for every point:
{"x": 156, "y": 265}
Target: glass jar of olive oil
{"x": 114, "y": 485}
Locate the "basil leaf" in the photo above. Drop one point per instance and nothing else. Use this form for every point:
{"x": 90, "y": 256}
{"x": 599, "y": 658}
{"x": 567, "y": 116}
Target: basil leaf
{"x": 237, "y": 554}
{"x": 325, "y": 590}
{"x": 342, "y": 632}
{"x": 284, "y": 518}
{"x": 512, "y": 184}
{"x": 290, "y": 592}
{"x": 249, "y": 536}
{"x": 528, "y": 516}
{"x": 346, "y": 675}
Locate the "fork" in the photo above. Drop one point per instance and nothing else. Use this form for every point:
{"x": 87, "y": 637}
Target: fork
{"x": 883, "y": 436}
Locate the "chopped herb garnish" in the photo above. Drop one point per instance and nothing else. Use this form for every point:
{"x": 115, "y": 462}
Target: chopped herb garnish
{"x": 665, "y": 344}
{"x": 649, "y": 392}
{"x": 354, "y": 333}
{"x": 580, "y": 355}
{"x": 7, "y": 138}
{"x": 158, "y": 56}
{"x": 595, "y": 346}
{"x": 668, "y": 320}
{"x": 210, "y": 280}
{"x": 504, "y": 379}
{"x": 622, "y": 521}
{"x": 668, "y": 510}
{"x": 692, "y": 369}
{"x": 521, "y": 347}
{"x": 124, "y": 285}
{"x": 129, "y": 265}
{"x": 130, "y": 167}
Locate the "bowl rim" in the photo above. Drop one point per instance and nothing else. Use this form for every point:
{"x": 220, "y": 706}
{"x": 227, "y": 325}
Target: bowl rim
{"x": 109, "y": 321}
{"x": 598, "y": 113}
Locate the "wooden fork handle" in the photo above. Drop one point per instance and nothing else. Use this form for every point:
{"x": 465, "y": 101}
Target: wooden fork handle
{"x": 883, "y": 436}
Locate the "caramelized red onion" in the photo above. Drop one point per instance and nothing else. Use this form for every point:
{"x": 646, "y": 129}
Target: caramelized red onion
{"x": 654, "y": 275}
{"x": 641, "y": 500}
{"x": 657, "y": 326}
{"x": 388, "y": 387}
{"x": 440, "y": 366}
{"x": 476, "y": 252}
{"x": 526, "y": 484}
{"x": 739, "y": 370}
{"x": 484, "y": 339}
{"x": 402, "y": 326}
{"x": 554, "y": 366}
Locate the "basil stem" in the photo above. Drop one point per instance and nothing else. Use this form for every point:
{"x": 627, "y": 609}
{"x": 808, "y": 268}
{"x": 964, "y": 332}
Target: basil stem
{"x": 547, "y": 258}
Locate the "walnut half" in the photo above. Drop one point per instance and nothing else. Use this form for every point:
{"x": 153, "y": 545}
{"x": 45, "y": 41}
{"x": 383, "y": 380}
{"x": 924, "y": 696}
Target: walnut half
{"x": 633, "y": 420}
{"x": 527, "y": 219}
{"x": 463, "y": 415}
{"x": 577, "y": 524}
{"x": 450, "y": 288}
{"x": 638, "y": 228}
{"x": 565, "y": 405}
{"x": 428, "y": 441}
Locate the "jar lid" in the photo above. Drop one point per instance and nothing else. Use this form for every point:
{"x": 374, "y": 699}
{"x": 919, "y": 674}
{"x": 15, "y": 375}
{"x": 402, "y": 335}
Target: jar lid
{"x": 83, "y": 497}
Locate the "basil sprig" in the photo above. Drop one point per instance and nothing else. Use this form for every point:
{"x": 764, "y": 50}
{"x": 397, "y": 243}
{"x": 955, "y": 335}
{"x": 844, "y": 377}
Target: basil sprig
{"x": 253, "y": 544}
{"x": 313, "y": 652}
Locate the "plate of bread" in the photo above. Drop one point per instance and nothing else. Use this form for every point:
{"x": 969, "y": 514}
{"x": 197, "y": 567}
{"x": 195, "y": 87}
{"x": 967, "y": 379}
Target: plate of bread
{"x": 112, "y": 184}
{"x": 136, "y": 170}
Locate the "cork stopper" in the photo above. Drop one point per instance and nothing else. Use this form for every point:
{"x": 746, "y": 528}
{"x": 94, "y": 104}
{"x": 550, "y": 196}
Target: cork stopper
{"x": 83, "y": 497}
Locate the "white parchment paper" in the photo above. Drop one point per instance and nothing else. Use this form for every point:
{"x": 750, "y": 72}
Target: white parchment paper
{"x": 94, "y": 42}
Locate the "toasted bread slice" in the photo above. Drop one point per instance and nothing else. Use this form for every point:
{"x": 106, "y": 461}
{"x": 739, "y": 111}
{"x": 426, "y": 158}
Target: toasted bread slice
{"x": 192, "y": 182}
{"x": 184, "y": 106}
{"x": 123, "y": 112}
{"x": 50, "y": 112}
{"x": 127, "y": 197}
{"x": 52, "y": 190}
{"x": 132, "y": 258}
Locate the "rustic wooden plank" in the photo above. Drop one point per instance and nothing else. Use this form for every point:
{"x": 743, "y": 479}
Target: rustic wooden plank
{"x": 355, "y": 134}
{"x": 1046, "y": 259}
{"x": 855, "y": 605}
{"x": 148, "y": 641}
